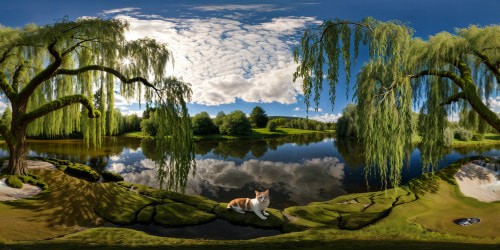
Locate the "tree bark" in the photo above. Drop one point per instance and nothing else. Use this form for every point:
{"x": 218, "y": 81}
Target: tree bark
{"x": 18, "y": 153}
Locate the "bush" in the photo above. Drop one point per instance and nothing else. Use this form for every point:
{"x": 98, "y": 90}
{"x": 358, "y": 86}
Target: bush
{"x": 259, "y": 117}
{"x": 463, "y": 134}
{"x": 271, "y": 126}
{"x": 14, "y": 181}
{"x": 236, "y": 123}
{"x": 448, "y": 137}
{"x": 203, "y": 124}
{"x": 74, "y": 169}
{"x": 110, "y": 176}
{"x": 478, "y": 137}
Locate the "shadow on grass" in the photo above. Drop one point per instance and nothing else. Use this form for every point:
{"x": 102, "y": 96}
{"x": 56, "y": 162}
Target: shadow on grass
{"x": 306, "y": 244}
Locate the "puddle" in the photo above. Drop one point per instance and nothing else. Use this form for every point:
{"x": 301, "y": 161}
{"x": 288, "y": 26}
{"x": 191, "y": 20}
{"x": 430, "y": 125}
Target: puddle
{"x": 215, "y": 230}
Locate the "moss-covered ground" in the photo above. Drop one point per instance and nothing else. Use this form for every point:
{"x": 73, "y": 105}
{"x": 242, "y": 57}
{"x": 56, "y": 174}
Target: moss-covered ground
{"x": 410, "y": 217}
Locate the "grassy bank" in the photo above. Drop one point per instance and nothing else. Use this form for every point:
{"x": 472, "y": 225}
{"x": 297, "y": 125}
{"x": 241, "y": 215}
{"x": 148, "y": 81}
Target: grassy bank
{"x": 257, "y": 133}
{"x": 489, "y": 139}
{"x": 419, "y": 215}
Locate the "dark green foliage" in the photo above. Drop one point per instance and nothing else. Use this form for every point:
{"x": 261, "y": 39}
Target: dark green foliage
{"x": 149, "y": 126}
{"x": 177, "y": 214}
{"x": 236, "y": 123}
{"x": 347, "y": 125}
{"x": 110, "y": 176}
{"x": 477, "y": 137}
{"x": 271, "y": 126}
{"x": 14, "y": 181}
{"x": 302, "y": 123}
{"x": 203, "y": 124}
{"x": 219, "y": 119}
{"x": 131, "y": 123}
{"x": 258, "y": 117}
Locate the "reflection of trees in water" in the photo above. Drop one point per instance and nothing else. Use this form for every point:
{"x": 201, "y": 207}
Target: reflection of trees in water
{"x": 351, "y": 151}
{"x": 258, "y": 148}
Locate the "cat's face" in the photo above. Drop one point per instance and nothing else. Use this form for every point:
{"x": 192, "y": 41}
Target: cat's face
{"x": 262, "y": 196}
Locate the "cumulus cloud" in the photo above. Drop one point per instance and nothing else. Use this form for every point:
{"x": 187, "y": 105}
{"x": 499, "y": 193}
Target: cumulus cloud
{"x": 327, "y": 117}
{"x": 315, "y": 109}
{"x": 494, "y": 104}
{"x": 296, "y": 109}
{"x": 240, "y": 7}
{"x": 312, "y": 180}
{"x": 226, "y": 59}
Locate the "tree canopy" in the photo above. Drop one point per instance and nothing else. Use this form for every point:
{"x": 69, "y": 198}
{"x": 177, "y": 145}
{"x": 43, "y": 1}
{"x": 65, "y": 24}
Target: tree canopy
{"x": 50, "y": 74}
{"x": 439, "y": 74}
{"x": 259, "y": 117}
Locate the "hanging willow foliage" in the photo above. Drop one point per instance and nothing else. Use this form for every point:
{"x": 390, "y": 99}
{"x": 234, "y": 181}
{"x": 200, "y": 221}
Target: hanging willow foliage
{"x": 402, "y": 72}
{"x": 51, "y": 73}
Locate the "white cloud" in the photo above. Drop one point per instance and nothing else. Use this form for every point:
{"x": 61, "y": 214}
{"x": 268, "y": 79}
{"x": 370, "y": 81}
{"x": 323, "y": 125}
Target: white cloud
{"x": 241, "y": 7}
{"x": 296, "y": 109}
{"x": 120, "y": 10}
{"x": 314, "y": 109}
{"x": 291, "y": 179}
{"x": 327, "y": 117}
{"x": 225, "y": 59}
{"x": 494, "y": 104}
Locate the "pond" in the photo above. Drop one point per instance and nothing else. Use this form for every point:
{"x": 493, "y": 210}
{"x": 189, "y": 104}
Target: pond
{"x": 297, "y": 169}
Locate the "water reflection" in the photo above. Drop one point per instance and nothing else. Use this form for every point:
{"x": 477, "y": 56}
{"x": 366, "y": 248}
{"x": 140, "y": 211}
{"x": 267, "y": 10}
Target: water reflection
{"x": 290, "y": 183}
{"x": 298, "y": 169}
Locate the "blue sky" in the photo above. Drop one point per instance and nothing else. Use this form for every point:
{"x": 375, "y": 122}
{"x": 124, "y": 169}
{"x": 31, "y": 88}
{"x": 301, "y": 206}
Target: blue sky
{"x": 238, "y": 54}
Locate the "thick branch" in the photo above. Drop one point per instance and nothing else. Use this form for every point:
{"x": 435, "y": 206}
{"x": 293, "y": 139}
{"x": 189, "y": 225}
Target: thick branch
{"x": 15, "y": 79}
{"x": 108, "y": 70}
{"x": 452, "y": 76}
{"x": 59, "y": 104}
{"x": 454, "y": 98}
{"x": 46, "y": 74}
{"x": 78, "y": 44}
{"x": 484, "y": 58}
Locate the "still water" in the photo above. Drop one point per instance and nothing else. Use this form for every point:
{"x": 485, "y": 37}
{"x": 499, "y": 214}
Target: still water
{"x": 297, "y": 169}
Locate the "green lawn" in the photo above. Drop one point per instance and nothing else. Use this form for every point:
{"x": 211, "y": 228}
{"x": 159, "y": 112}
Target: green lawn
{"x": 257, "y": 133}
{"x": 489, "y": 139}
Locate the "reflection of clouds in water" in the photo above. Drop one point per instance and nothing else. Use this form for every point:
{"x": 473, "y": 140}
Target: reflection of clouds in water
{"x": 114, "y": 158}
{"x": 313, "y": 180}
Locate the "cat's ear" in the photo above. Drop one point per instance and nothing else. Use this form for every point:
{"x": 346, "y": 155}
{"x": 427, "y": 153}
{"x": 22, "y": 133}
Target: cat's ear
{"x": 256, "y": 192}
{"x": 267, "y": 191}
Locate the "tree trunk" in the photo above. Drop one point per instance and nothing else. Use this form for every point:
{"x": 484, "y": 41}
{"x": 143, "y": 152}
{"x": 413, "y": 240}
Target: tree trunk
{"x": 18, "y": 152}
{"x": 481, "y": 109}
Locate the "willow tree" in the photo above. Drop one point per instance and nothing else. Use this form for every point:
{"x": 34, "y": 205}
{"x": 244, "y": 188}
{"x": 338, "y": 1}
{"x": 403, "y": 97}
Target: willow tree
{"x": 49, "y": 74}
{"x": 440, "y": 75}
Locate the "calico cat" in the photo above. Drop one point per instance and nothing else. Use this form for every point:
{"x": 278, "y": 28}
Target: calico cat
{"x": 258, "y": 204}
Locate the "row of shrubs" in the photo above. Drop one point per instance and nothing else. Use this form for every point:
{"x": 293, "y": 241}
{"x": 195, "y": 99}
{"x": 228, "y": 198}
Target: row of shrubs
{"x": 460, "y": 134}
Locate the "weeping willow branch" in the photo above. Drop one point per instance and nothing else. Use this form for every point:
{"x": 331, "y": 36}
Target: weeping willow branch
{"x": 447, "y": 74}
{"x": 115, "y": 72}
{"x": 484, "y": 58}
{"x": 44, "y": 75}
{"x": 454, "y": 98}
{"x": 59, "y": 104}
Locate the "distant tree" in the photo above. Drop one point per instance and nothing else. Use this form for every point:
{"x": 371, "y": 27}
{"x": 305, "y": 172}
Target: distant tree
{"x": 132, "y": 123}
{"x": 203, "y": 124}
{"x": 219, "y": 118}
{"x": 271, "y": 126}
{"x": 347, "y": 125}
{"x": 236, "y": 123}
{"x": 150, "y": 125}
{"x": 259, "y": 117}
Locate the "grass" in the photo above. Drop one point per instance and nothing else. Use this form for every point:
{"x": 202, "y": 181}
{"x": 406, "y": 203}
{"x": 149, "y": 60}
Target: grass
{"x": 425, "y": 223}
{"x": 257, "y": 133}
{"x": 489, "y": 139}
